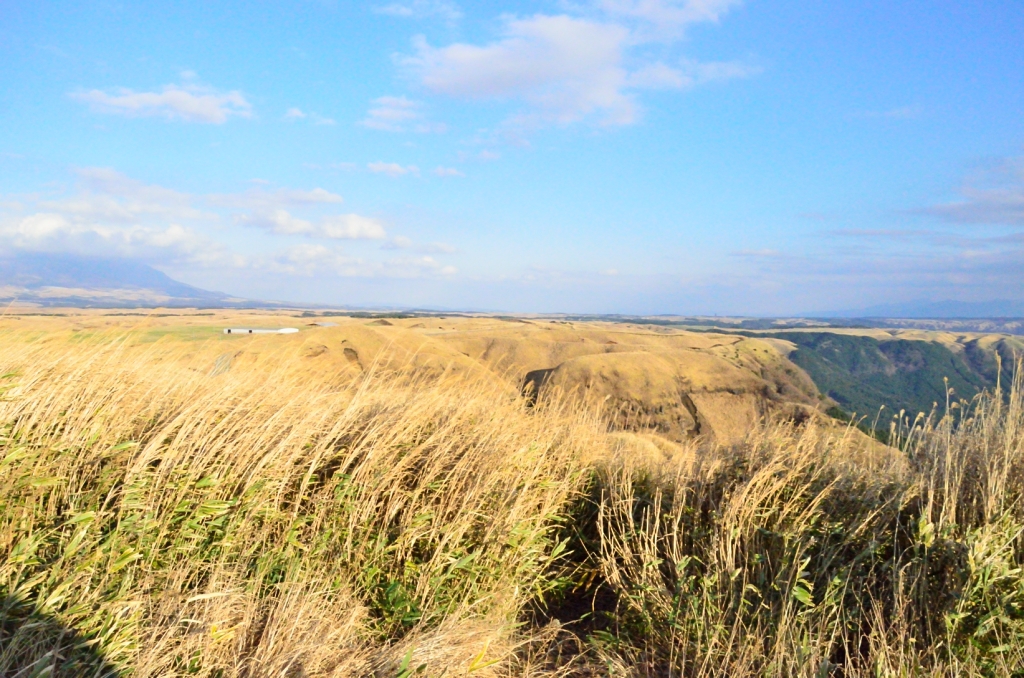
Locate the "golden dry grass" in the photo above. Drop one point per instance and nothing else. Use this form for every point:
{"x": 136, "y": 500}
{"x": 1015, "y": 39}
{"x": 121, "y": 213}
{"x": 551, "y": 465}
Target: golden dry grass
{"x": 168, "y": 507}
{"x": 260, "y": 518}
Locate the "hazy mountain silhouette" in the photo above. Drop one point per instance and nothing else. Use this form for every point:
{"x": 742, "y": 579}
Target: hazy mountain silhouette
{"x": 69, "y": 280}
{"x": 997, "y": 308}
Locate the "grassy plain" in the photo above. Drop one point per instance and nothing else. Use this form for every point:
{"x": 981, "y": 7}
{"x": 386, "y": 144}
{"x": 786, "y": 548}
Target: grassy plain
{"x": 177, "y": 502}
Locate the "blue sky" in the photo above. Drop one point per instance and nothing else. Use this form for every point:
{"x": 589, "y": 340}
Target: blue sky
{"x": 633, "y": 156}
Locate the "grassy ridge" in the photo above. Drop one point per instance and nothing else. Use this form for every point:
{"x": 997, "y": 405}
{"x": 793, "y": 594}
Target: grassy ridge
{"x": 162, "y": 514}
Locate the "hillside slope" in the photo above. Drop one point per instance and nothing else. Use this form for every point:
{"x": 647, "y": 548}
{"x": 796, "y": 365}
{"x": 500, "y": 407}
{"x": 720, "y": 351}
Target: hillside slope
{"x": 901, "y": 370}
{"x": 675, "y": 384}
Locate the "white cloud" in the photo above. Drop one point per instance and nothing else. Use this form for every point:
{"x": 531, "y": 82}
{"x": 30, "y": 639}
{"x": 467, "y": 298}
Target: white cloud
{"x": 568, "y": 68}
{"x": 416, "y": 267}
{"x": 310, "y": 260}
{"x": 564, "y": 66}
{"x": 110, "y": 214}
{"x": 438, "y": 248}
{"x": 277, "y": 221}
{"x": 335, "y": 227}
{"x": 712, "y": 71}
{"x": 402, "y": 243}
{"x": 52, "y": 231}
{"x": 399, "y": 242}
{"x": 316, "y": 260}
{"x": 666, "y": 19}
{"x": 688, "y": 74}
{"x": 352, "y": 226}
{"x": 300, "y": 197}
{"x": 903, "y": 112}
{"x": 112, "y": 197}
{"x": 40, "y": 226}
{"x": 392, "y": 169}
{"x": 399, "y": 114}
{"x": 270, "y": 210}
{"x": 447, "y": 172}
{"x": 113, "y": 214}
{"x": 339, "y": 166}
{"x": 898, "y": 113}
{"x": 263, "y": 200}
{"x": 422, "y": 9}
{"x": 658, "y": 76}
{"x": 760, "y": 253}
{"x": 188, "y": 102}
{"x": 315, "y": 118}
{"x": 391, "y": 114}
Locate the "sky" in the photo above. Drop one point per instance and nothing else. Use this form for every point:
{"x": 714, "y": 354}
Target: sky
{"x": 755, "y": 157}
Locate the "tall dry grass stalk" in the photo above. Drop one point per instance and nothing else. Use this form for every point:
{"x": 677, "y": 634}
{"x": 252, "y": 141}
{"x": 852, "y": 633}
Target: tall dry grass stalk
{"x": 175, "y": 508}
{"x": 803, "y": 553}
{"x": 186, "y": 519}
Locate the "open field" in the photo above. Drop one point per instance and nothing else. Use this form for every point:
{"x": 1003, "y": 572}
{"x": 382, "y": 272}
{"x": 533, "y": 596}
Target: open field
{"x": 485, "y": 497}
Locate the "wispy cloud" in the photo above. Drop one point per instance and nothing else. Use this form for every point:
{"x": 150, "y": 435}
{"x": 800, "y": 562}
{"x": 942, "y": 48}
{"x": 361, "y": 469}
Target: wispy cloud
{"x": 897, "y": 113}
{"x": 399, "y": 114}
{"x": 666, "y": 19}
{"x": 272, "y": 210}
{"x": 334, "y": 227}
{"x": 310, "y": 260}
{"x": 447, "y": 172}
{"x": 765, "y": 253}
{"x": 315, "y": 118}
{"x": 994, "y": 196}
{"x": 336, "y": 166}
{"x": 403, "y": 243}
{"x": 689, "y": 73}
{"x": 482, "y": 156}
{"x": 392, "y": 169}
{"x": 392, "y": 114}
{"x": 422, "y": 9}
{"x": 399, "y": 242}
{"x": 261, "y": 199}
{"x": 189, "y": 102}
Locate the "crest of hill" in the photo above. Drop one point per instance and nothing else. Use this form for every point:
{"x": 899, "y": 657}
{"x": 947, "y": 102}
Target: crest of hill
{"x": 673, "y": 384}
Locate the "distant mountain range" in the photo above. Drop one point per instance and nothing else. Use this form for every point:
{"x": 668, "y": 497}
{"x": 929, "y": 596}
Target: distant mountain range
{"x": 65, "y": 280}
{"x": 69, "y": 280}
{"x": 997, "y": 308}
